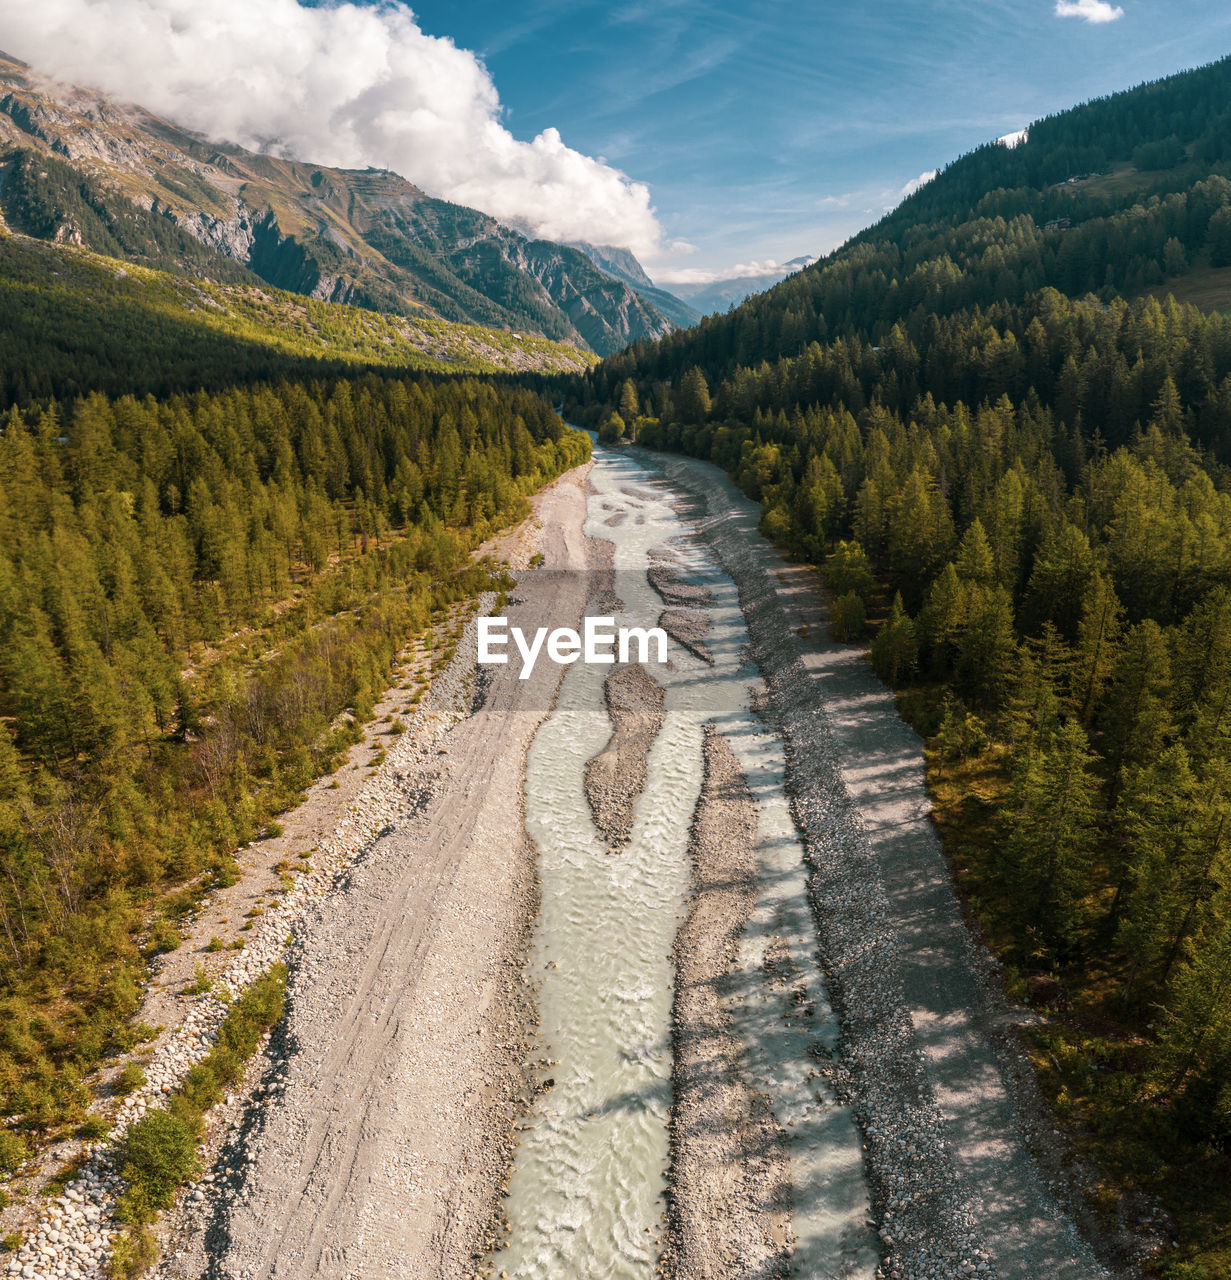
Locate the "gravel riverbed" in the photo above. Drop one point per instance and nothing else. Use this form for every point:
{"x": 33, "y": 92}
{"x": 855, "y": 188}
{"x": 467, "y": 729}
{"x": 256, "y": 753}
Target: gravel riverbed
{"x": 730, "y": 1177}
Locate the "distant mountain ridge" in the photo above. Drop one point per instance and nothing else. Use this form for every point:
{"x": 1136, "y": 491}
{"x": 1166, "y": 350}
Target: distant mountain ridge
{"x": 621, "y": 264}
{"x": 717, "y": 295}
{"x": 77, "y": 166}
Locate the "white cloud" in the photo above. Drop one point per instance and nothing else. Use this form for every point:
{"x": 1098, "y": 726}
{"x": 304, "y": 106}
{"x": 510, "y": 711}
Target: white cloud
{"x": 1014, "y": 139}
{"x": 1093, "y": 11}
{"x": 915, "y": 183}
{"x": 345, "y": 85}
{"x": 741, "y": 271}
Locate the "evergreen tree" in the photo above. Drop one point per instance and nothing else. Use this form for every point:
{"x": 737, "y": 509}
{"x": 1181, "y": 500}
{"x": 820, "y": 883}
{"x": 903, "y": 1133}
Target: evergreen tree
{"x": 1050, "y": 832}
{"x": 692, "y": 398}
{"x": 895, "y": 650}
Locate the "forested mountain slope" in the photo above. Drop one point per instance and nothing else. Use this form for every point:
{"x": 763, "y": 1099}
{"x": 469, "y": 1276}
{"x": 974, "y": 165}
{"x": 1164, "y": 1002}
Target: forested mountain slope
{"x": 1143, "y": 180}
{"x": 1015, "y": 466}
{"x": 79, "y": 167}
{"x": 72, "y": 321}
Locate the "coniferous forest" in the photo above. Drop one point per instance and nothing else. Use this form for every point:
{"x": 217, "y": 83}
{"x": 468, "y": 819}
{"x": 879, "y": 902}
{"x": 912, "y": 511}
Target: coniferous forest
{"x": 200, "y": 598}
{"x": 1007, "y": 447}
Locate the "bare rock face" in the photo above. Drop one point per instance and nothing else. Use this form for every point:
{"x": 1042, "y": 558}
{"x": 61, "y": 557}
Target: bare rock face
{"x": 232, "y": 236}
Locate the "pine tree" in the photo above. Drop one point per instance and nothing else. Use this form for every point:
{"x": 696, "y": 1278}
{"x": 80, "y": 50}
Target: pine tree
{"x": 944, "y": 619}
{"x": 975, "y": 561}
{"x": 692, "y": 398}
{"x": 627, "y": 405}
{"x": 1179, "y": 827}
{"x": 987, "y": 649}
{"x": 895, "y": 650}
{"x": 1095, "y": 651}
{"x": 1194, "y": 1048}
{"x": 1063, "y": 570}
{"x": 1135, "y": 720}
{"x": 920, "y": 531}
{"x": 1049, "y": 832}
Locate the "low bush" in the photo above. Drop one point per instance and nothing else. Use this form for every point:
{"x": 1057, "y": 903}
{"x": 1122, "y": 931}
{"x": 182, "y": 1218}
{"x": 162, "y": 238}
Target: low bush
{"x": 130, "y": 1079}
{"x": 93, "y": 1128}
{"x": 13, "y": 1151}
{"x": 157, "y": 1156}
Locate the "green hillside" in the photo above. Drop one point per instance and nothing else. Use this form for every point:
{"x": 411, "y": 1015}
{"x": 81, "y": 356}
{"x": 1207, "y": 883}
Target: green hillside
{"x": 72, "y": 321}
{"x": 1011, "y": 459}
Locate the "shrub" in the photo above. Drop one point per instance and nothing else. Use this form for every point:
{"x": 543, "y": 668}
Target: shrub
{"x": 158, "y": 1154}
{"x": 164, "y": 936}
{"x": 13, "y": 1151}
{"x": 200, "y": 984}
{"x": 131, "y": 1078}
{"x": 226, "y": 876}
{"x": 273, "y": 830}
{"x": 92, "y": 1128}
{"x": 133, "y": 1252}
{"x": 848, "y": 619}
{"x": 215, "y": 944}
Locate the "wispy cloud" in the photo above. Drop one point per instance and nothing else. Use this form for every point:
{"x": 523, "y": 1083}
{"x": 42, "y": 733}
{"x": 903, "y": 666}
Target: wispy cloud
{"x": 740, "y": 271}
{"x": 1092, "y": 11}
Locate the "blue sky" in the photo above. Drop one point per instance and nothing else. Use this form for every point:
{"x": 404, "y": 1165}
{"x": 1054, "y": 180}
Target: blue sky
{"x": 767, "y": 130}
